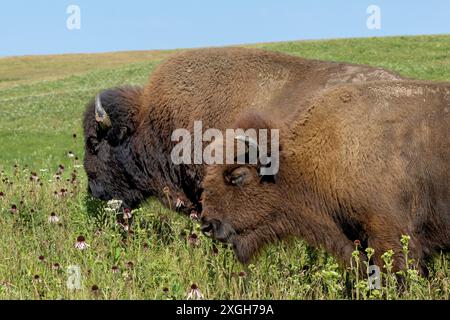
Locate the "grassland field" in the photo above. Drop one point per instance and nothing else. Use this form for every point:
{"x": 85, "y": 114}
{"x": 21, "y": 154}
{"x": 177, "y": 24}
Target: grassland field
{"x": 42, "y": 100}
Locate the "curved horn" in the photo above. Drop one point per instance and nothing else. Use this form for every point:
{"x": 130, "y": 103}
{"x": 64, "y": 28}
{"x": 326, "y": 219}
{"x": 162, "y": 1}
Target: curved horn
{"x": 100, "y": 114}
{"x": 251, "y": 144}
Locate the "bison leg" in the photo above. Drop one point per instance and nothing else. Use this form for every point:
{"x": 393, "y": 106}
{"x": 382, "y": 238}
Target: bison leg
{"x": 325, "y": 233}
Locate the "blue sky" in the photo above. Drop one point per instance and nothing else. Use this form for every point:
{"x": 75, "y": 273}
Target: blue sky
{"x": 39, "y": 27}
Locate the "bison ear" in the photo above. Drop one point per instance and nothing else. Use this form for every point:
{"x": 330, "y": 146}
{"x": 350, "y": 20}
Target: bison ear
{"x": 266, "y": 165}
{"x": 101, "y": 116}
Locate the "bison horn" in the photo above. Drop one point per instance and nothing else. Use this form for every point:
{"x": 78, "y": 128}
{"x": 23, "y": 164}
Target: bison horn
{"x": 101, "y": 116}
{"x": 250, "y": 144}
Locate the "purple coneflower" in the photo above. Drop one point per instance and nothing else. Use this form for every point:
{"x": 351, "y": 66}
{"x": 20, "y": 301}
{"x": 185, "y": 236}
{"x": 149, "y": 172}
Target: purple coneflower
{"x": 194, "y": 215}
{"x": 179, "y": 203}
{"x": 2, "y": 194}
{"x": 41, "y": 258}
{"x": 115, "y": 269}
{"x": 81, "y": 243}
{"x": 70, "y": 154}
{"x": 194, "y": 293}
{"x": 53, "y": 218}
{"x": 34, "y": 177}
{"x": 14, "y": 209}
{"x": 242, "y": 274}
{"x": 126, "y": 213}
{"x": 193, "y": 240}
{"x": 124, "y": 226}
{"x": 56, "y": 266}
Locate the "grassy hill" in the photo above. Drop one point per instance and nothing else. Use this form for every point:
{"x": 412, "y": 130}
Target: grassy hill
{"x": 42, "y": 100}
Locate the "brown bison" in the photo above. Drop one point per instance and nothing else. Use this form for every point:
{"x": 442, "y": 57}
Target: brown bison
{"x": 367, "y": 162}
{"x": 128, "y": 130}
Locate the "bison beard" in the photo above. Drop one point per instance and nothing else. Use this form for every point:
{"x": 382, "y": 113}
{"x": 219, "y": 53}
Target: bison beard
{"x": 367, "y": 162}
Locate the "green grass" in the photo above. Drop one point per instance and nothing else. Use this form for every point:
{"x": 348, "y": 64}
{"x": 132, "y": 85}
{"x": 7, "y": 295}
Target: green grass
{"x": 42, "y": 101}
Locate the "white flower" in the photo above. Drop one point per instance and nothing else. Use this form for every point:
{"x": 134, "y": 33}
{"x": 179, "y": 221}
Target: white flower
{"x": 114, "y": 205}
{"x": 194, "y": 293}
{"x": 127, "y": 213}
{"x": 124, "y": 226}
{"x": 179, "y": 203}
{"x": 81, "y": 243}
{"x": 193, "y": 215}
{"x": 53, "y": 218}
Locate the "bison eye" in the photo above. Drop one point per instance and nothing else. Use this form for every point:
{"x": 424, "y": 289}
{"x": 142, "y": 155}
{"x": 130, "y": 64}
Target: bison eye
{"x": 237, "y": 181}
{"x": 238, "y": 176}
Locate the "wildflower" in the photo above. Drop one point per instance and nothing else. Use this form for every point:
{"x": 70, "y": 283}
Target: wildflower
{"x": 130, "y": 265}
{"x": 34, "y": 177}
{"x": 124, "y": 226}
{"x": 165, "y": 290}
{"x": 179, "y": 203}
{"x": 357, "y": 243}
{"x": 14, "y": 209}
{"x": 194, "y": 293}
{"x": 56, "y": 266}
{"x": 70, "y": 154}
{"x": 193, "y": 240}
{"x": 166, "y": 190}
{"x": 126, "y": 213}
{"x": 242, "y": 274}
{"x": 2, "y": 194}
{"x": 41, "y": 258}
{"x": 113, "y": 205}
{"x": 115, "y": 269}
{"x": 194, "y": 215}
{"x": 145, "y": 245}
{"x": 62, "y": 193}
{"x": 95, "y": 289}
{"x": 81, "y": 243}
{"x": 74, "y": 136}
{"x": 53, "y": 218}
{"x": 36, "y": 278}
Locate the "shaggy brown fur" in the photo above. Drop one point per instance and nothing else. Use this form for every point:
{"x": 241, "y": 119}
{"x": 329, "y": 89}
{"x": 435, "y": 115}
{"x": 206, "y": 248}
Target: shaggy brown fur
{"x": 131, "y": 161}
{"x": 368, "y": 162}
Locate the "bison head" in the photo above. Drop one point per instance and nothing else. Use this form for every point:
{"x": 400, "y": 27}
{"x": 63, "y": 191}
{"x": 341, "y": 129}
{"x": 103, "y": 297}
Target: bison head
{"x": 242, "y": 206}
{"x": 109, "y": 125}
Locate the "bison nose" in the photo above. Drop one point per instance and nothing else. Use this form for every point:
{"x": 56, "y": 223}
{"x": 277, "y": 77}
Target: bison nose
{"x": 209, "y": 226}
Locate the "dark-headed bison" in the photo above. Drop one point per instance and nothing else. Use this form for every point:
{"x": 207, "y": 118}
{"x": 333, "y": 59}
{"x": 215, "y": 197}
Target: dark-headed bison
{"x": 128, "y": 130}
{"x": 367, "y": 162}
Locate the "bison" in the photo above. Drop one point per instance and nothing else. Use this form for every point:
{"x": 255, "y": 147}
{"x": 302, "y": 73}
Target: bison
{"x": 367, "y": 162}
{"x": 127, "y": 130}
